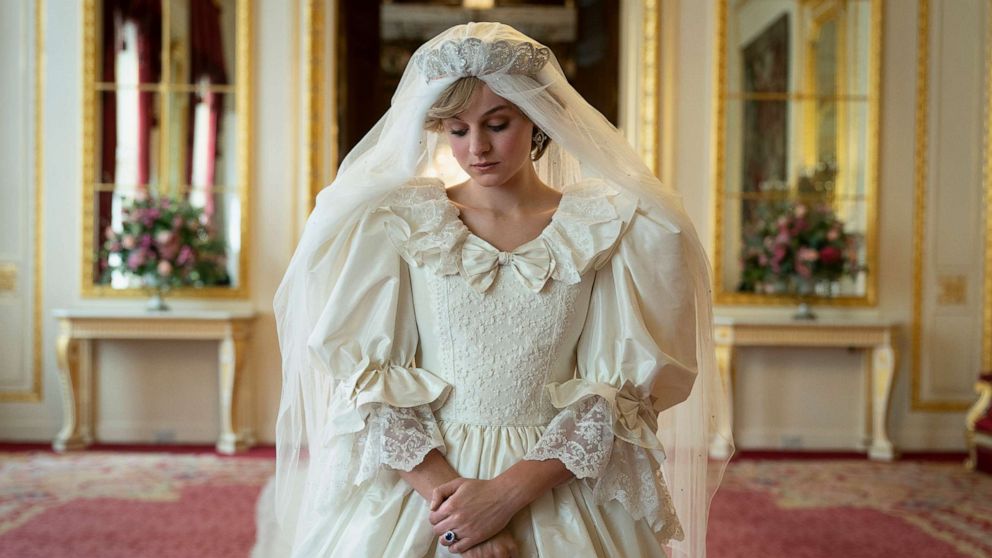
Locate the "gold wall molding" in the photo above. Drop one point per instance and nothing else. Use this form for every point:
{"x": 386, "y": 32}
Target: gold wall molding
{"x": 987, "y": 179}
{"x": 35, "y": 394}
{"x": 243, "y": 101}
{"x": 8, "y": 278}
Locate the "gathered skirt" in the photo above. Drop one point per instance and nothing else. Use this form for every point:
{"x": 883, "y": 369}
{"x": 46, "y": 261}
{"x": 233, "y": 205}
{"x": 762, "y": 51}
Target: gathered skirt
{"x": 385, "y": 517}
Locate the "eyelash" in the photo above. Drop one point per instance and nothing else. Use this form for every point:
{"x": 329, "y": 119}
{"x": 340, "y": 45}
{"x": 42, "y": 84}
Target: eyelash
{"x": 497, "y": 128}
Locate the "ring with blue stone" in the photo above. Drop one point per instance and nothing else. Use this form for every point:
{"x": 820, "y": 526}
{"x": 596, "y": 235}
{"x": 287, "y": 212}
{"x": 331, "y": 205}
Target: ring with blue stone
{"x": 450, "y": 536}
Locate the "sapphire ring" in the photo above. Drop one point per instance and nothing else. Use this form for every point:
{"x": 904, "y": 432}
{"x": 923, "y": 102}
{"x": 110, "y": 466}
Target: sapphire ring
{"x": 450, "y": 536}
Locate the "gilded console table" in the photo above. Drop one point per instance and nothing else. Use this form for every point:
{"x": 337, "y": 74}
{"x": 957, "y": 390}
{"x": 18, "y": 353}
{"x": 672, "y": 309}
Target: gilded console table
{"x": 78, "y": 329}
{"x": 875, "y": 337}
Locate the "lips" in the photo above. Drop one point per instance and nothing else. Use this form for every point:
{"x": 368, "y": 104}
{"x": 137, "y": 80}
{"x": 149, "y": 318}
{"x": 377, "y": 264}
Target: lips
{"x": 484, "y": 166}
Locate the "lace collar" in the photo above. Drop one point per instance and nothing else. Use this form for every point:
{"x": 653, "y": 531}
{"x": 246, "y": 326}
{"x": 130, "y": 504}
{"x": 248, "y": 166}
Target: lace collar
{"x": 424, "y": 225}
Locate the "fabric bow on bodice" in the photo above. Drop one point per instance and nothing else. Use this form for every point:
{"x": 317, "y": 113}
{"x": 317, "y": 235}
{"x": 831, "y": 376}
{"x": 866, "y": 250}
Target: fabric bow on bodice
{"x": 532, "y": 263}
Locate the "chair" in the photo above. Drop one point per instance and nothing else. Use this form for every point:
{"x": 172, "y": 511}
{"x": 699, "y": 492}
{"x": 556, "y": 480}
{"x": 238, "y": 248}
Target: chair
{"x": 978, "y": 427}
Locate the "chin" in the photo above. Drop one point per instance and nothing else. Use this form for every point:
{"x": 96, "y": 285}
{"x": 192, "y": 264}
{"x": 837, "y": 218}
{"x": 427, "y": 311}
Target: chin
{"x": 488, "y": 180}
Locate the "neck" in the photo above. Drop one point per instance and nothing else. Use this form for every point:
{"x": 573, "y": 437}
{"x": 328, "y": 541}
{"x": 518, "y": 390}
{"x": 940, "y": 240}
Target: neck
{"x": 521, "y": 190}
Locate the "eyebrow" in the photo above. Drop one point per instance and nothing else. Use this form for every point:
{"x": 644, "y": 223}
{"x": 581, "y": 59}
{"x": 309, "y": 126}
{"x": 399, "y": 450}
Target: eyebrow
{"x": 496, "y": 108}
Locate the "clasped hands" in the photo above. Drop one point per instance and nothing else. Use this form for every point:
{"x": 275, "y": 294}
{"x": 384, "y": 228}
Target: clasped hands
{"x": 478, "y": 511}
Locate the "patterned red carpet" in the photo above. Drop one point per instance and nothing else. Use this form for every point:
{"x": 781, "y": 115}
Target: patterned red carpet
{"x": 851, "y": 508}
{"x": 110, "y": 504}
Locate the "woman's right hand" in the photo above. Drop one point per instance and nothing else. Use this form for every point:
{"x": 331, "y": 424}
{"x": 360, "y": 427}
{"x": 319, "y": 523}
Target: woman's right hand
{"x": 500, "y": 545}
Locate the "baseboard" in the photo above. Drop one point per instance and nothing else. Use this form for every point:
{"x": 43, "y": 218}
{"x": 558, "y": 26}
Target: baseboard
{"x": 947, "y": 439}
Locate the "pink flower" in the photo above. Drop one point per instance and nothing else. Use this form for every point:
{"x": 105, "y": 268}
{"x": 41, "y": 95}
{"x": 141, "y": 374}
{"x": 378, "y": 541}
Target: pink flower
{"x": 146, "y": 241}
{"x": 127, "y": 242}
{"x": 833, "y": 234}
{"x": 141, "y": 194}
{"x": 164, "y": 268}
{"x": 803, "y": 270}
{"x": 779, "y": 254}
{"x": 808, "y": 255}
{"x": 801, "y": 210}
{"x": 185, "y": 256}
{"x": 783, "y": 238}
{"x": 109, "y": 233}
{"x": 136, "y": 259}
{"x": 762, "y": 260}
{"x": 782, "y": 222}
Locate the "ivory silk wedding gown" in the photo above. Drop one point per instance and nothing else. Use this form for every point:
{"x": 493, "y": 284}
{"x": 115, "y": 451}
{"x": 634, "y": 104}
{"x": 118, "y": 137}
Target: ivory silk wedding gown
{"x": 546, "y": 351}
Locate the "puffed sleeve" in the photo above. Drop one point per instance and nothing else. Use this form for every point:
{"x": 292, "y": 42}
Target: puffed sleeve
{"x": 381, "y": 408}
{"x": 636, "y": 357}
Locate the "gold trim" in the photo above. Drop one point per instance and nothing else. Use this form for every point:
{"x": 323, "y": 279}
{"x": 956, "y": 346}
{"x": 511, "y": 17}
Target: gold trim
{"x": 35, "y": 394}
{"x": 917, "y": 403}
{"x": 724, "y": 297}
{"x": 987, "y": 297}
{"x": 649, "y": 94}
{"x": 244, "y": 100}
{"x": 316, "y": 169}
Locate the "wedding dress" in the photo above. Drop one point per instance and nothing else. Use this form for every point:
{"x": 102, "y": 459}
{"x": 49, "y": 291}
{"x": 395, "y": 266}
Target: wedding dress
{"x": 491, "y": 357}
{"x": 401, "y": 332}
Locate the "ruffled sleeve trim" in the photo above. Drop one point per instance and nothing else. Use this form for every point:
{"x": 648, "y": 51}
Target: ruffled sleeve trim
{"x": 633, "y": 416}
{"x": 591, "y": 218}
{"x": 390, "y": 384}
{"x": 423, "y": 225}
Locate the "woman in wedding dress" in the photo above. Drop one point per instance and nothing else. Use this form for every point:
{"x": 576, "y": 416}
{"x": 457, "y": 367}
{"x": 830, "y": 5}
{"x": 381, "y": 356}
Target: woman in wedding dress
{"x": 518, "y": 363}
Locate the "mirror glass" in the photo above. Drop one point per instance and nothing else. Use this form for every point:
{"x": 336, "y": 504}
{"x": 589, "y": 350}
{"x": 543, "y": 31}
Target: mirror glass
{"x": 797, "y": 184}
{"x": 166, "y": 126}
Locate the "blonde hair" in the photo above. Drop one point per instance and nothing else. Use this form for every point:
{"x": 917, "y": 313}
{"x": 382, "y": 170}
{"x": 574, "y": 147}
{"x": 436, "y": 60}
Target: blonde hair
{"x": 456, "y": 98}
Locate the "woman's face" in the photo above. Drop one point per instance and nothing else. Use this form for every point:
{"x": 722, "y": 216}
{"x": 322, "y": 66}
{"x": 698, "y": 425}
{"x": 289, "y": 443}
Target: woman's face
{"x": 491, "y": 139}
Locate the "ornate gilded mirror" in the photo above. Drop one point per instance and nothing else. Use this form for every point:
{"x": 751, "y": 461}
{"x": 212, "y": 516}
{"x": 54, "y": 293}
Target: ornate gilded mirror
{"x": 797, "y": 144}
{"x": 166, "y": 103}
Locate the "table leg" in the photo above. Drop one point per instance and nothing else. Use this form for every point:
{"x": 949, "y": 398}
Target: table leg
{"x": 76, "y": 378}
{"x": 882, "y": 373}
{"x": 721, "y": 447}
{"x": 232, "y": 438}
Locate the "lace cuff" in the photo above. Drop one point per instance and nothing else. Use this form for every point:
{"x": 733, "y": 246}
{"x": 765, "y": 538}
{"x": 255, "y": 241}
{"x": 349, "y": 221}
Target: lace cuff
{"x": 397, "y": 437}
{"x": 581, "y": 436}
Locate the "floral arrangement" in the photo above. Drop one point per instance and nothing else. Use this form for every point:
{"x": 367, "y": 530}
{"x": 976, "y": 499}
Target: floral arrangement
{"x": 791, "y": 247}
{"x": 164, "y": 242}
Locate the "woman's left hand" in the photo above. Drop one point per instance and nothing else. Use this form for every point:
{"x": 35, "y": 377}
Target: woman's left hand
{"x": 474, "y": 509}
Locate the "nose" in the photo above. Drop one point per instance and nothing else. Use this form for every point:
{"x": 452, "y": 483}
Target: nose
{"x": 478, "y": 144}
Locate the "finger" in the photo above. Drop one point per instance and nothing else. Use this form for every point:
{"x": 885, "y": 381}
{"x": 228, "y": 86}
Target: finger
{"x": 442, "y": 491}
{"x": 461, "y": 545}
{"x": 443, "y": 526}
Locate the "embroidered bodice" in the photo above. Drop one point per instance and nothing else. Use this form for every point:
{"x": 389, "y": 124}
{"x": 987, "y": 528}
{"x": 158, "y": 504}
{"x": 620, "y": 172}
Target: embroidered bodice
{"x": 498, "y": 326}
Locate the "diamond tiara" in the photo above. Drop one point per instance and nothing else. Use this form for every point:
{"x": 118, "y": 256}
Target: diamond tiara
{"x": 473, "y": 57}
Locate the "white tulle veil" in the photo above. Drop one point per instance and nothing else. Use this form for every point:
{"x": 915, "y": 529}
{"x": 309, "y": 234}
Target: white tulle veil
{"x": 584, "y": 144}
